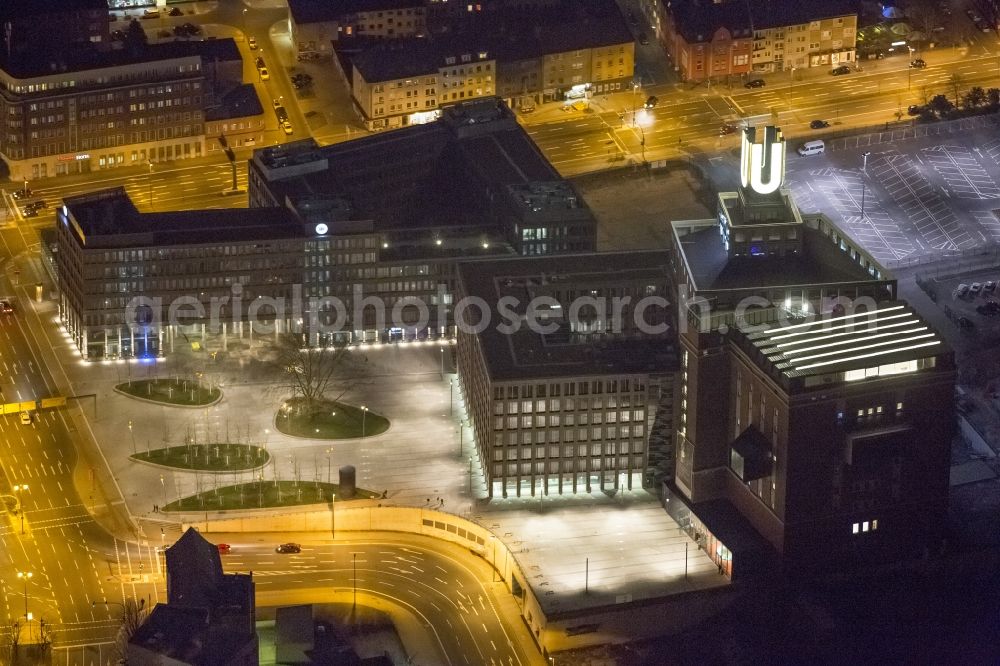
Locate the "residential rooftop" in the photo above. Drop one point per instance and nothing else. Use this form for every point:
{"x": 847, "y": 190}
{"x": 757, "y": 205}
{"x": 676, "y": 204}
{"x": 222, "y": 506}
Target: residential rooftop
{"x": 436, "y": 175}
{"x": 319, "y": 11}
{"x": 240, "y": 102}
{"x": 698, "y": 20}
{"x": 565, "y": 350}
{"x": 108, "y": 218}
{"x": 886, "y": 339}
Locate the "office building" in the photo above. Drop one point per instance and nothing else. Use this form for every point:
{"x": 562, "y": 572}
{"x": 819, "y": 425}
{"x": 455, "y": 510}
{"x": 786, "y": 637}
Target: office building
{"x": 813, "y": 403}
{"x": 566, "y": 406}
{"x": 706, "y": 40}
{"x": 384, "y": 218}
{"x": 73, "y": 101}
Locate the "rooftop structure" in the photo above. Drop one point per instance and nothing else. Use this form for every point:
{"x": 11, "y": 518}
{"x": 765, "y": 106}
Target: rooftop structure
{"x": 697, "y": 21}
{"x": 318, "y": 11}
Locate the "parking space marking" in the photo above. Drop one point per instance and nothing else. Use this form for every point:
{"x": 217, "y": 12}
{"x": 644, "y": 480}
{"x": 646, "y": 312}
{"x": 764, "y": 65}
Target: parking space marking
{"x": 992, "y": 149}
{"x": 920, "y": 201}
{"x": 989, "y": 222}
{"x": 962, "y": 172}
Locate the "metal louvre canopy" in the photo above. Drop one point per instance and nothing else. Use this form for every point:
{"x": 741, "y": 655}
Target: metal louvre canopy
{"x": 872, "y": 339}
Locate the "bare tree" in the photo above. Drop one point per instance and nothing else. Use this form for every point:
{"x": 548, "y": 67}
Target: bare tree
{"x": 956, "y": 82}
{"x": 134, "y": 613}
{"x": 307, "y": 372}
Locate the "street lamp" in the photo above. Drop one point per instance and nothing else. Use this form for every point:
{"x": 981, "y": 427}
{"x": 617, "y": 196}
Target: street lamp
{"x": 354, "y": 557}
{"x": 364, "y": 413}
{"x": 333, "y": 515}
{"x": 791, "y": 78}
{"x": 442, "y": 362}
{"x": 635, "y": 89}
{"x": 20, "y": 506}
{"x": 864, "y": 169}
{"x": 909, "y": 69}
{"x": 451, "y": 397}
{"x": 25, "y": 576}
{"x": 163, "y": 485}
{"x": 131, "y": 434}
{"x": 328, "y": 452}
{"x": 244, "y": 23}
{"x": 150, "y": 183}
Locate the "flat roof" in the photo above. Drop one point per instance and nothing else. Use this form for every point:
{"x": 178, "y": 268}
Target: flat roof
{"x": 421, "y": 176}
{"x": 240, "y": 102}
{"x": 318, "y": 11}
{"x": 21, "y": 9}
{"x": 711, "y": 267}
{"x": 888, "y": 334}
{"x": 698, "y": 20}
{"x": 507, "y": 38}
{"x": 108, "y": 219}
{"x": 49, "y": 59}
{"x": 526, "y": 353}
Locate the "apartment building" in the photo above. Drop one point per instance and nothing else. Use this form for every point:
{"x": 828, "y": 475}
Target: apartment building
{"x": 811, "y": 399}
{"x": 707, "y": 40}
{"x": 566, "y": 404}
{"x": 111, "y": 108}
{"x": 315, "y": 25}
{"x": 395, "y": 85}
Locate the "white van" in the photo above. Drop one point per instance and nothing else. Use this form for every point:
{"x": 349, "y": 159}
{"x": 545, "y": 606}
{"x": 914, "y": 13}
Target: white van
{"x": 812, "y": 148}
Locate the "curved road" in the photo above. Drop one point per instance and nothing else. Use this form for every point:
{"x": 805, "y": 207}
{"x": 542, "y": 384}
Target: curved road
{"x": 443, "y": 588}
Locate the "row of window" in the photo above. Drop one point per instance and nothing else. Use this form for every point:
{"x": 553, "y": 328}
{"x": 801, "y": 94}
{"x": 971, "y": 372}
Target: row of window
{"x": 578, "y": 465}
{"x": 515, "y": 392}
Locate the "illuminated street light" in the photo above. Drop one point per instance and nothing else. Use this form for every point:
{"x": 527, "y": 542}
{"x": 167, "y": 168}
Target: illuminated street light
{"x": 364, "y": 413}
{"x": 864, "y": 169}
{"x": 20, "y": 506}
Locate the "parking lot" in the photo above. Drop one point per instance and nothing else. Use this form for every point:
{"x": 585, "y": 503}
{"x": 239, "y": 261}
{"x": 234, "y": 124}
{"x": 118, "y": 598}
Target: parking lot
{"x": 915, "y": 197}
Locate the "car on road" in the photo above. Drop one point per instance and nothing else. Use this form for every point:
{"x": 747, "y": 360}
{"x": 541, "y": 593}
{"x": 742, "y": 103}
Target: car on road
{"x": 38, "y": 203}
{"x": 23, "y": 193}
{"x": 252, "y": 43}
{"x": 25, "y": 418}
{"x": 264, "y": 76}
{"x": 6, "y": 307}
{"x": 818, "y": 124}
{"x": 643, "y": 39}
{"x": 176, "y": 11}
{"x": 840, "y": 71}
{"x": 276, "y": 103}
{"x": 288, "y": 548}
{"x": 259, "y": 62}
{"x": 150, "y": 14}
{"x": 727, "y": 128}
{"x": 914, "y": 109}
{"x": 754, "y": 83}
{"x": 286, "y": 127}
{"x": 651, "y": 102}
{"x": 224, "y": 548}
{"x": 918, "y": 63}
{"x": 975, "y": 288}
{"x": 29, "y": 212}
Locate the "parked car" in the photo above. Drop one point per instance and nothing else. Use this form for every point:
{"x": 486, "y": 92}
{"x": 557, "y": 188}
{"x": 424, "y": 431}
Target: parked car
{"x": 818, "y": 124}
{"x": 187, "y": 30}
{"x": 840, "y": 71}
{"x": 264, "y": 75}
{"x": 975, "y": 288}
{"x": 29, "y": 212}
{"x": 914, "y": 109}
{"x": 989, "y": 309}
{"x": 989, "y": 286}
{"x": 175, "y": 11}
{"x": 286, "y": 127}
{"x": 150, "y": 13}
{"x": 38, "y": 203}
{"x": 6, "y": 307}
{"x": 643, "y": 39}
{"x": 259, "y": 62}
{"x": 25, "y": 418}
{"x": 973, "y": 16}
{"x": 961, "y": 290}
{"x": 984, "y": 26}
{"x": 918, "y": 63}
{"x": 23, "y": 193}
{"x": 727, "y": 128}
{"x": 651, "y": 102}
{"x": 288, "y": 548}
{"x": 252, "y": 43}
{"x": 224, "y": 548}
{"x": 754, "y": 83}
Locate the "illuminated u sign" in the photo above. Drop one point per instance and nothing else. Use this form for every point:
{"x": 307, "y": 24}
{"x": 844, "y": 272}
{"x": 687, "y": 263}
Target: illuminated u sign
{"x": 762, "y": 165}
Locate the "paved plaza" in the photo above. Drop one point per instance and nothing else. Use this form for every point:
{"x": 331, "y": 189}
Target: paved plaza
{"x": 912, "y": 198}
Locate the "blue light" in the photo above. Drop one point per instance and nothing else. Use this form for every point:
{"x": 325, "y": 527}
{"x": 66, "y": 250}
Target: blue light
{"x": 755, "y": 251}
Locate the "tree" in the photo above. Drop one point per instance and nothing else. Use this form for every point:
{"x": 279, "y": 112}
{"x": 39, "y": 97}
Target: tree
{"x": 135, "y": 37}
{"x": 134, "y": 613}
{"x": 940, "y": 105}
{"x": 956, "y": 82}
{"x": 307, "y": 372}
{"x": 993, "y": 98}
{"x": 975, "y": 98}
